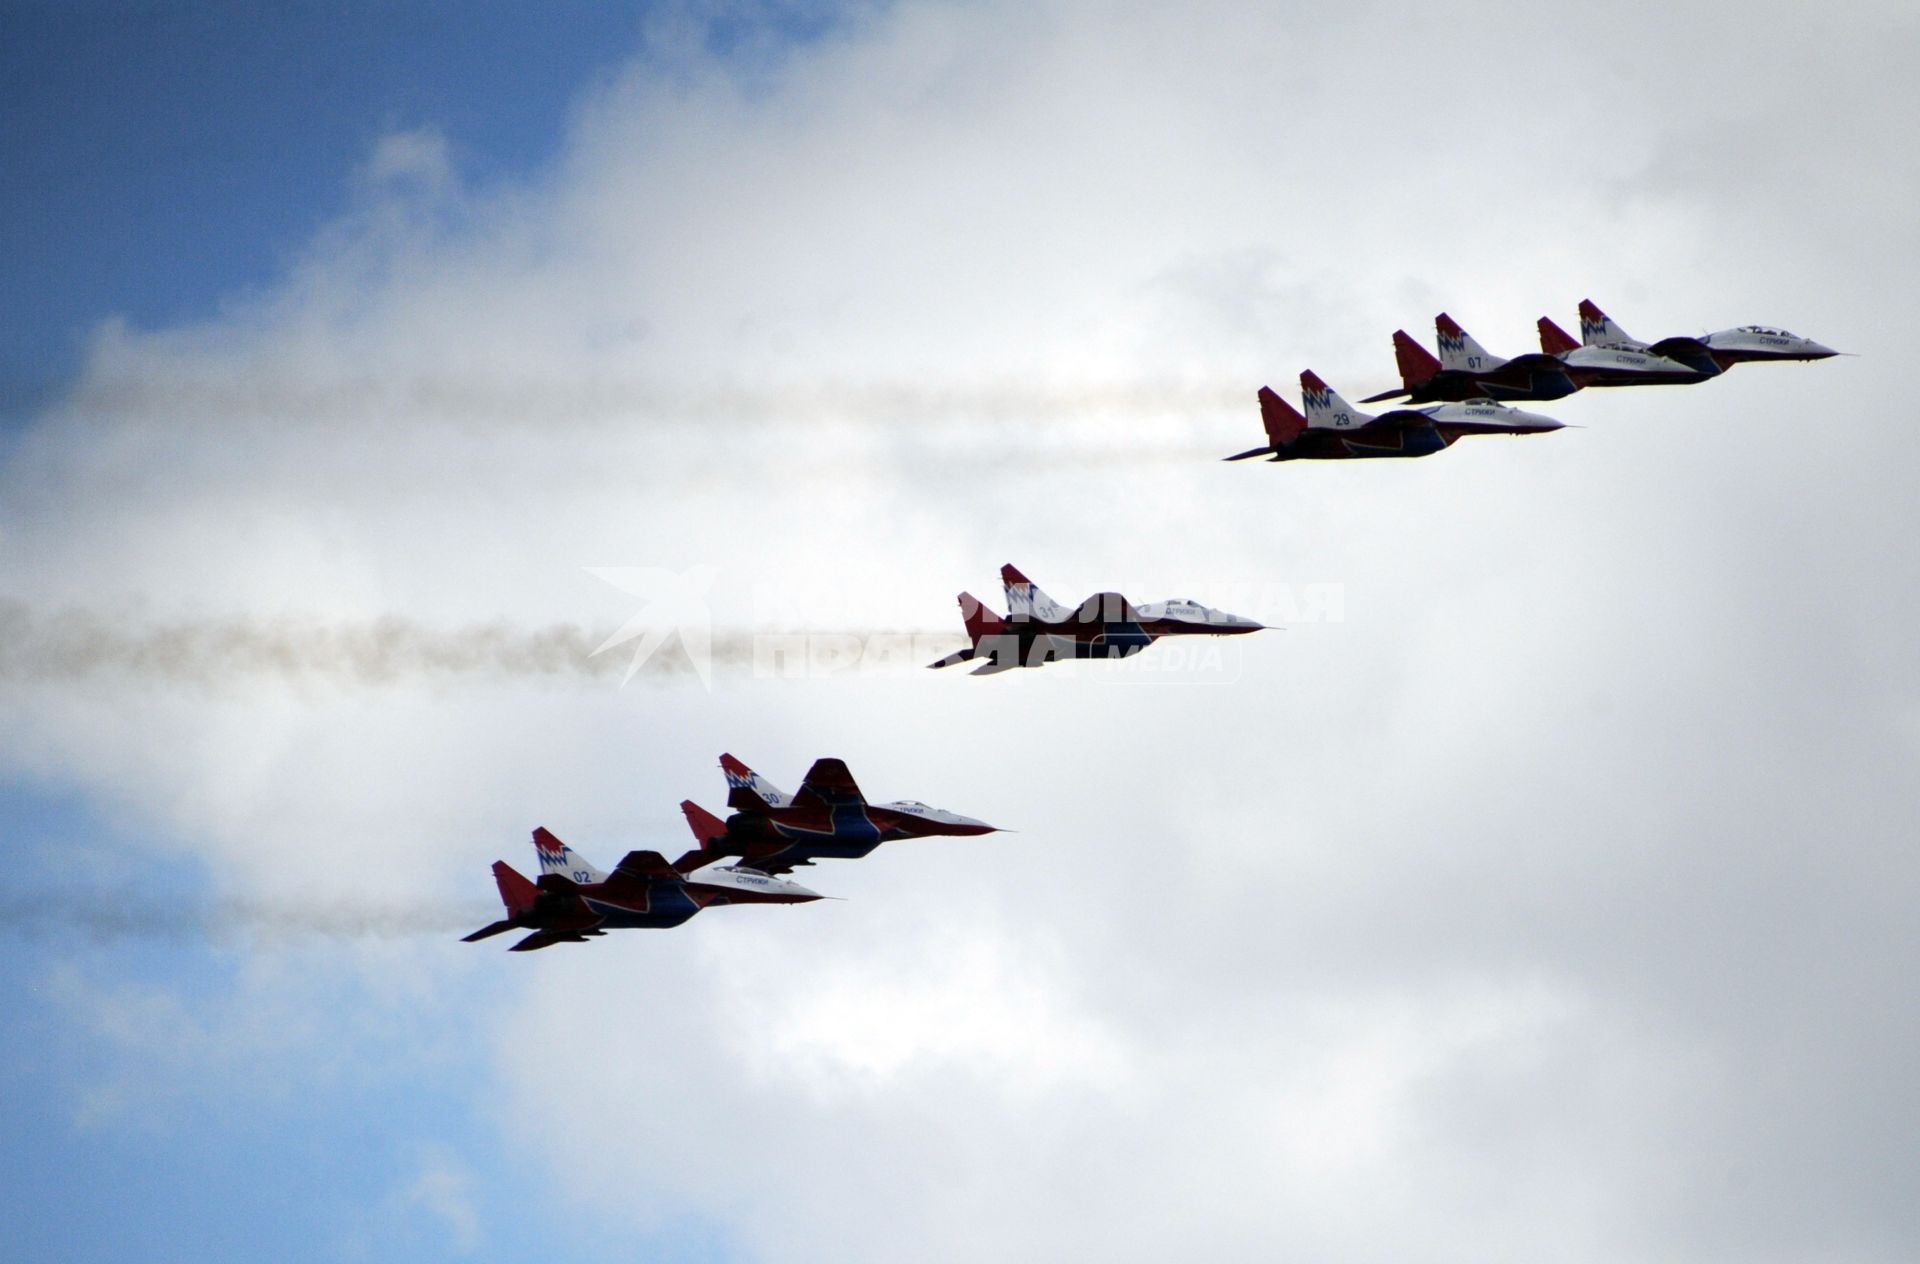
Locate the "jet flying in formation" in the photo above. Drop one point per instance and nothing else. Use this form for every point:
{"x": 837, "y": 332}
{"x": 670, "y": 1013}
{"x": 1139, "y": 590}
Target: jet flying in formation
{"x": 1333, "y": 429}
{"x": 773, "y": 831}
{"x": 1708, "y": 355}
{"x": 573, "y": 900}
{"x": 1038, "y": 630}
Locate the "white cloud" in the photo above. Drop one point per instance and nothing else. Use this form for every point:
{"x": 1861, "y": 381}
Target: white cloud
{"x": 1548, "y": 905}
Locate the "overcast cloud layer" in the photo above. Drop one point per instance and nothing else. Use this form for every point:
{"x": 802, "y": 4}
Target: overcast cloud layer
{"x": 1555, "y": 902}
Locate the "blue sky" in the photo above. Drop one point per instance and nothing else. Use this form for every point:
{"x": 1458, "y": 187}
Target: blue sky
{"x": 1546, "y": 903}
{"x": 159, "y": 160}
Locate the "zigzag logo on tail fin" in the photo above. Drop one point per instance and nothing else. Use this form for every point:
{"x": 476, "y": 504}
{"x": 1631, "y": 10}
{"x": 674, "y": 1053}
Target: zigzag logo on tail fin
{"x": 1598, "y": 330}
{"x": 1458, "y": 350}
{"x": 1325, "y": 409}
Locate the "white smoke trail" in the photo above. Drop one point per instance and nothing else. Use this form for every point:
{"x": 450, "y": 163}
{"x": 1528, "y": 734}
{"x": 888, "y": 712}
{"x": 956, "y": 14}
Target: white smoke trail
{"x": 117, "y": 914}
{"x": 76, "y": 644}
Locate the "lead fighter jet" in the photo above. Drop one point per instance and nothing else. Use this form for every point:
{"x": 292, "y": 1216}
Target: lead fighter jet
{"x": 573, "y": 900}
{"x": 1709, "y": 355}
{"x": 1038, "y": 630}
{"x": 1333, "y": 429}
{"x": 828, "y": 819}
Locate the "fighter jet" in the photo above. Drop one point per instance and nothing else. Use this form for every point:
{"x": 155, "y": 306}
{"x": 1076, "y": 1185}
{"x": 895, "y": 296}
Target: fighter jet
{"x": 828, "y": 819}
{"x": 1586, "y": 366}
{"x": 1333, "y": 429}
{"x": 1425, "y": 380}
{"x": 573, "y": 900}
{"x": 1710, "y": 354}
{"x": 1038, "y": 630}
{"x": 1556, "y": 340}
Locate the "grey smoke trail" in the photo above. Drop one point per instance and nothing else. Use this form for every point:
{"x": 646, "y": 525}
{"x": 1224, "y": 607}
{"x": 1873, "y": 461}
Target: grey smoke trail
{"x": 74, "y": 644}
{"x": 130, "y": 914}
{"x": 177, "y": 399}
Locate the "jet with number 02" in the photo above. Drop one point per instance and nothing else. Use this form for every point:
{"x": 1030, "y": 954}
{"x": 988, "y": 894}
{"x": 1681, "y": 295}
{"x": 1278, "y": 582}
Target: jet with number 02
{"x": 1038, "y": 630}
{"x": 1333, "y": 429}
{"x": 573, "y": 901}
{"x": 828, "y": 818}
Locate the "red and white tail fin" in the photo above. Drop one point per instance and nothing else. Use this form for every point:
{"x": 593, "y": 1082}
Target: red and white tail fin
{"x": 1598, "y": 330}
{"x": 747, "y": 790}
{"x": 1325, "y": 409}
{"x": 705, "y": 825}
{"x": 557, "y": 857}
{"x": 981, "y": 622}
{"x": 709, "y": 832}
{"x": 1458, "y": 350}
{"x": 1555, "y": 340}
{"x": 1417, "y": 364}
{"x": 516, "y": 891}
{"x": 1026, "y": 600}
{"x": 1282, "y": 420}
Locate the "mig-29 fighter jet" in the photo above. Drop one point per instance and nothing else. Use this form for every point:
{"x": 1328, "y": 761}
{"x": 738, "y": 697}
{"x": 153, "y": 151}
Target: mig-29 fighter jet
{"x": 1709, "y": 355}
{"x": 1586, "y": 366}
{"x": 1333, "y": 429}
{"x": 573, "y": 900}
{"x": 1425, "y": 380}
{"x": 829, "y": 818}
{"x": 1038, "y": 630}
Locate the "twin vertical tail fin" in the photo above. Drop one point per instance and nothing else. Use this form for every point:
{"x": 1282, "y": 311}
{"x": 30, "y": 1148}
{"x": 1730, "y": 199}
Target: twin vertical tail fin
{"x": 1282, "y": 420}
{"x": 1459, "y": 351}
{"x": 1025, "y": 600}
{"x": 1598, "y": 330}
{"x": 1283, "y": 423}
{"x": 1555, "y": 340}
{"x": 557, "y": 857}
{"x": 1417, "y": 365}
{"x": 1325, "y": 409}
{"x": 981, "y": 623}
{"x": 516, "y": 892}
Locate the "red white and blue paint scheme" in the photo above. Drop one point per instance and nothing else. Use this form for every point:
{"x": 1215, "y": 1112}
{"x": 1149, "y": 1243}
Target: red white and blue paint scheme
{"x": 1584, "y": 365}
{"x": 573, "y": 901}
{"x": 1461, "y": 376}
{"x": 1332, "y": 429}
{"x": 829, "y": 818}
{"x": 1709, "y": 355}
{"x": 1038, "y": 630}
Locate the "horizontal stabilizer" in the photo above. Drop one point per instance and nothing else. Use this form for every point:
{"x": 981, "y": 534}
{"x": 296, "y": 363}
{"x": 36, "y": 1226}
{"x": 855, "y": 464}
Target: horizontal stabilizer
{"x": 546, "y": 939}
{"x": 961, "y": 656}
{"x": 485, "y": 932}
